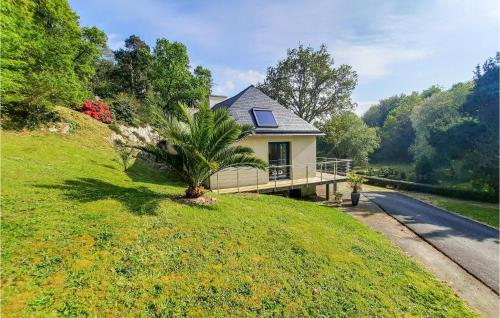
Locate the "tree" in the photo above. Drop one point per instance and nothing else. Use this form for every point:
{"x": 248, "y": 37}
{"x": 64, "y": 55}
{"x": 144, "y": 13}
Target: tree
{"x": 426, "y": 93}
{"x": 376, "y": 115}
{"x": 483, "y": 104}
{"x": 307, "y": 83}
{"x": 133, "y": 65}
{"x": 347, "y": 136}
{"x": 438, "y": 112}
{"x": 397, "y": 134}
{"x": 431, "y": 119}
{"x": 199, "y": 145}
{"x": 475, "y": 138}
{"x": 92, "y": 47}
{"x": 106, "y": 81}
{"x": 172, "y": 80}
{"x": 202, "y": 81}
{"x": 126, "y": 108}
{"x": 392, "y": 117}
{"x": 47, "y": 58}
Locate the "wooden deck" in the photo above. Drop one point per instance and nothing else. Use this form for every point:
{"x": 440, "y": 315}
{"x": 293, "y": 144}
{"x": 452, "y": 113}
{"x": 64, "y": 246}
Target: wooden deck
{"x": 287, "y": 184}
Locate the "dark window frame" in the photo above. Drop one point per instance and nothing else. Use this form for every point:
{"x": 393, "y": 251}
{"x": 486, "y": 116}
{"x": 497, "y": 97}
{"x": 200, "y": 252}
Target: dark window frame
{"x": 283, "y": 172}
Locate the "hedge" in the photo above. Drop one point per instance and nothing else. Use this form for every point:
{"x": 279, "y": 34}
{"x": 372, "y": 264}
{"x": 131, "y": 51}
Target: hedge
{"x": 434, "y": 189}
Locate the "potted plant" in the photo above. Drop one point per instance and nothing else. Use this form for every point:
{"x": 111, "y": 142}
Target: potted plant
{"x": 338, "y": 198}
{"x": 355, "y": 181}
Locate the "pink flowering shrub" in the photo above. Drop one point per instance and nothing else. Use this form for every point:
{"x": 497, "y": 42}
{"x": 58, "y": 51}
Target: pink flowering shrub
{"x": 97, "y": 110}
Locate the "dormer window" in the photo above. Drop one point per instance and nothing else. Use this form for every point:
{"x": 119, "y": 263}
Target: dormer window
{"x": 264, "y": 117}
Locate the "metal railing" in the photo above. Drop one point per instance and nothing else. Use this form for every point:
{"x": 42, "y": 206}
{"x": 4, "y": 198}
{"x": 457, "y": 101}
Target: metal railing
{"x": 322, "y": 170}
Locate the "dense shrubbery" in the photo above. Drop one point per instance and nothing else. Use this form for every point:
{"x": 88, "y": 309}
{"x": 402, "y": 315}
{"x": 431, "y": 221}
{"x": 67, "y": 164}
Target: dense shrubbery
{"x": 97, "y": 110}
{"x": 466, "y": 194}
{"x": 125, "y": 107}
{"x": 387, "y": 172}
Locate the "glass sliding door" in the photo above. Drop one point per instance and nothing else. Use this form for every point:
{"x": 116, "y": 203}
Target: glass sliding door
{"x": 279, "y": 159}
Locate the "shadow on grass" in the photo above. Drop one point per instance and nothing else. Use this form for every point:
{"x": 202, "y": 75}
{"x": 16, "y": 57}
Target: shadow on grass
{"x": 141, "y": 171}
{"x": 140, "y": 200}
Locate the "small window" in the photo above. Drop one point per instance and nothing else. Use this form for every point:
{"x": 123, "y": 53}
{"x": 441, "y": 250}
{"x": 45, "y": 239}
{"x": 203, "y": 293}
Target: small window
{"x": 264, "y": 117}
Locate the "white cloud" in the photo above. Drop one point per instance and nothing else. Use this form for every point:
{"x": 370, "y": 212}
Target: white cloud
{"x": 375, "y": 61}
{"x": 161, "y": 19}
{"x": 363, "y": 106}
{"x": 228, "y": 81}
{"x": 115, "y": 41}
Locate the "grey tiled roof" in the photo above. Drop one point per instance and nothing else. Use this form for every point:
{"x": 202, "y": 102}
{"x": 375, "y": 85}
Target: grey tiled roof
{"x": 240, "y": 108}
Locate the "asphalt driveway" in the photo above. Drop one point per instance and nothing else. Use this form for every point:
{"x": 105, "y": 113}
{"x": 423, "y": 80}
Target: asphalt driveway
{"x": 472, "y": 245}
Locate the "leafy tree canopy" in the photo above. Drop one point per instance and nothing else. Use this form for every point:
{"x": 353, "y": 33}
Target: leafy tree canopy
{"x": 376, "y": 115}
{"x": 437, "y": 114}
{"x": 307, "y": 83}
{"x": 47, "y": 58}
{"x": 473, "y": 141}
{"x": 397, "y": 134}
{"x": 172, "y": 80}
{"x": 347, "y": 136}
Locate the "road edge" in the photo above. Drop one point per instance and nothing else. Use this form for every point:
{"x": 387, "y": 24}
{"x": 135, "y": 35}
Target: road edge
{"x": 431, "y": 244}
{"x": 451, "y": 212}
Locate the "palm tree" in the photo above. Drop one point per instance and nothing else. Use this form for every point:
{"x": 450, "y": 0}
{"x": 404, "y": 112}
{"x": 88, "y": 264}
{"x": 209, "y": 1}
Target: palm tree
{"x": 197, "y": 145}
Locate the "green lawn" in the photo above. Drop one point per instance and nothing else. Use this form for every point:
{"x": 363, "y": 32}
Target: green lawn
{"x": 82, "y": 238}
{"x": 480, "y": 211}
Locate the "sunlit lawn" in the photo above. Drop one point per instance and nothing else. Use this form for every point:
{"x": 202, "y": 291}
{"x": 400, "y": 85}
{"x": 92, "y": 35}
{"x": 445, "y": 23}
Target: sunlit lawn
{"x": 82, "y": 238}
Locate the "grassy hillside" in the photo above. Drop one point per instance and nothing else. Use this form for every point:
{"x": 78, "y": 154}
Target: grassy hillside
{"x": 82, "y": 238}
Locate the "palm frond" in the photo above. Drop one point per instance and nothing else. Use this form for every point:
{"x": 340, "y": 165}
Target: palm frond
{"x": 225, "y": 134}
{"x": 233, "y": 150}
{"x": 204, "y": 143}
{"x": 242, "y": 160}
{"x": 246, "y": 130}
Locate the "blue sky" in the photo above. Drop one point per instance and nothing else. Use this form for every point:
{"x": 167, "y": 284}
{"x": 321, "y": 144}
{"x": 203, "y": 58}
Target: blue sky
{"x": 395, "y": 46}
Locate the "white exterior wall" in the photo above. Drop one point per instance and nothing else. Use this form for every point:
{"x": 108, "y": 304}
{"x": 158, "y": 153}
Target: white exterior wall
{"x": 302, "y": 153}
{"x": 215, "y": 99}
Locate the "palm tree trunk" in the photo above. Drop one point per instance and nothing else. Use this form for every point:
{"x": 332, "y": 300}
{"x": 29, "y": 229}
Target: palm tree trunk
{"x": 194, "y": 191}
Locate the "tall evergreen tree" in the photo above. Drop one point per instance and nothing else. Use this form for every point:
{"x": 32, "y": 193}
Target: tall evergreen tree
{"x": 133, "y": 65}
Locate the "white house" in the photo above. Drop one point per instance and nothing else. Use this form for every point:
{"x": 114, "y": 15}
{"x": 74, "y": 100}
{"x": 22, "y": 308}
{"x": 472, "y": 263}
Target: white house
{"x": 281, "y": 138}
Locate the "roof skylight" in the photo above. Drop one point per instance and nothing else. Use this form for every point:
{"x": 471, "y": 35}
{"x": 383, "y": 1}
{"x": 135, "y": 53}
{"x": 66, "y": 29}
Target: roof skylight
{"x": 264, "y": 117}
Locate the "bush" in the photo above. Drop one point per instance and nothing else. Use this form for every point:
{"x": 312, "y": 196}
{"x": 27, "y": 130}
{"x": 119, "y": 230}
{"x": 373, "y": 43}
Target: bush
{"x": 20, "y": 117}
{"x": 465, "y": 194}
{"x": 424, "y": 171}
{"x": 124, "y": 108}
{"x": 97, "y": 110}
